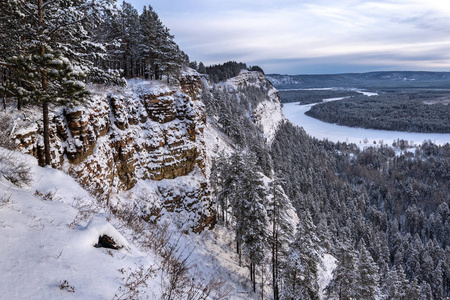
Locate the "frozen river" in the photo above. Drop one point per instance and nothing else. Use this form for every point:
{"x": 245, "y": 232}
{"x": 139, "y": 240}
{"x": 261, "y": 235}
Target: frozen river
{"x": 360, "y": 136}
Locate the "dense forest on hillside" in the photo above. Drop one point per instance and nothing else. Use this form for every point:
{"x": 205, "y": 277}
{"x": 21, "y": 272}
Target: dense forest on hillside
{"x": 393, "y": 206}
{"x": 382, "y": 212}
{"x": 222, "y": 72}
{"x": 389, "y": 111}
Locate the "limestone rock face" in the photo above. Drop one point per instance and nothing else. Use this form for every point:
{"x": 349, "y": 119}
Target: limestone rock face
{"x": 148, "y": 131}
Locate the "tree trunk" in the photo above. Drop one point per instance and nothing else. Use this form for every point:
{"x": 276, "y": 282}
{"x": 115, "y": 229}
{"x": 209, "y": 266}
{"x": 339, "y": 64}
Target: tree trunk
{"x": 44, "y": 88}
{"x": 48, "y": 158}
{"x": 263, "y": 270}
{"x": 275, "y": 247}
{"x": 4, "y": 92}
{"x": 239, "y": 253}
{"x": 254, "y": 279}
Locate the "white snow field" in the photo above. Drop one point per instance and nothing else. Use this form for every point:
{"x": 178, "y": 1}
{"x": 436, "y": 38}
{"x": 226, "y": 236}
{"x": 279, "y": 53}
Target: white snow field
{"x": 48, "y": 230}
{"x": 360, "y": 136}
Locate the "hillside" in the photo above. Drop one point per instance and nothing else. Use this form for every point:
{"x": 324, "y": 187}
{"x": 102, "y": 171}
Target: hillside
{"x": 129, "y": 172}
{"x": 53, "y": 217}
{"x": 371, "y": 80}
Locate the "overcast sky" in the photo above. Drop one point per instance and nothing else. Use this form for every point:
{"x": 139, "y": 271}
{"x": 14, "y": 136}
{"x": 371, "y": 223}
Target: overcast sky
{"x": 312, "y": 36}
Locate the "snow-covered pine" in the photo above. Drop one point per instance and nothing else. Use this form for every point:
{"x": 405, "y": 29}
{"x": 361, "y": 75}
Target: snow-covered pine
{"x": 299, "y": 277}
{"x": 282, "y": 233}
{"x": 368, "y": 277}
{"x": 53, "y": 53}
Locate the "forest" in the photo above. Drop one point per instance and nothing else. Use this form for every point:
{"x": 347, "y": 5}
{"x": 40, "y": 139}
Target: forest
{"x": 50, "y": 51}
{"x": 393, "y": 206}
{"x": 412, "y": 112}
{"x": 383, "y": 212}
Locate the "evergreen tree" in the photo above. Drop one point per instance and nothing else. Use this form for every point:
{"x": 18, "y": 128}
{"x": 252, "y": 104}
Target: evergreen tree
{"x": 282, "y": 231}
{"x": 158, "y": 48}
{"x": 244, "y": 187}
{"x": 254, "y": 220}
{"x": 367, "y": 286}
{"x": 219, "y": 182}
{"x": 345, "y": 276}
{"x": 151, "y": 26}
{"x": 299, "y": 275}
{"x": 53, "y": 52}
{"x": 396, "y": 285}
{"x": 201, "y": 68}
{"x": 128, "y": 29}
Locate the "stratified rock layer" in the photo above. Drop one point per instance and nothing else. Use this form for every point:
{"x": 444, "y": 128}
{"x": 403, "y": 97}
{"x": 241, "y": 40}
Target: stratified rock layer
{"x": 144, "y": 132}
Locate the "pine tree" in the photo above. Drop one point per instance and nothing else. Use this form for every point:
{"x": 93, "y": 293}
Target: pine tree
{"x": 244, "y": 187}
{"x": 201, "y": 68}
{"x": 367, "y": 286}
{"x": 54, "y": 52}
{"x": 150, "y": 25}
{"x": 158, "y": 48}
{"x": 282, "y": 231}
{"x": 345, "y": 275}
{"x": 396, "y": 285}
{"x": 219, "y": 184}
{"x": 299, "y": 275}
{"x": 252, "y": 220}
{"x": 128, "y": 30}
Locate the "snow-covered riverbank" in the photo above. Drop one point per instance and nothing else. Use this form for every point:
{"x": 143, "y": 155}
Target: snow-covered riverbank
{"x": 360, "y": 136}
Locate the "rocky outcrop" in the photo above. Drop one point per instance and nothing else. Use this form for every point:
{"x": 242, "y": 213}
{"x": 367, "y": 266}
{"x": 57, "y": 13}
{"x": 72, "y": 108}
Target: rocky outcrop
{"x": 147, "y": 131}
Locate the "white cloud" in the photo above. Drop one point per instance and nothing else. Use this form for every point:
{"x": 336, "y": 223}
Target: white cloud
{"x": 262, "y": 31}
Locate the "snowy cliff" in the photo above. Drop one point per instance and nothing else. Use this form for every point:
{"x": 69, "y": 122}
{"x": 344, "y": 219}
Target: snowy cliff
{"x": 148, "y": 133}
{"x": 126, "y": 159}
{"x": 267, "y": 113}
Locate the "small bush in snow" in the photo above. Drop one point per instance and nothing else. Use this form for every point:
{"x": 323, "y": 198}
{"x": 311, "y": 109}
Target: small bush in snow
{"x": 14, "y": 170}
{"x": 5, "y": 201}
{"x": 133, "y": 282}
{"x": 46, "y": 196}
{"x": 5, "y": 139}
{"x": 66, "y": 286}
{"x": 85, "y": 211}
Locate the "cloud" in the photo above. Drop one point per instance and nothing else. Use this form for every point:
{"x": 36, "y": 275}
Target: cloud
{"x": 407, "y": 34}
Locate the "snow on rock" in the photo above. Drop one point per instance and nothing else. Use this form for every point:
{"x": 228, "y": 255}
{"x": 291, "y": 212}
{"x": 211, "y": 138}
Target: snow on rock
{"x": 147, "y": 130}
{"x": 325, "y": 272}
{"x": 269, "y": 116}
{"x": 99, "y": 226}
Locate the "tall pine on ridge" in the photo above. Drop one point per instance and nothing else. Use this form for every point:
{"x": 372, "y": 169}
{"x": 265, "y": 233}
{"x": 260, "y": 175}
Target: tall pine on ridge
{"x": 53, "y": 53}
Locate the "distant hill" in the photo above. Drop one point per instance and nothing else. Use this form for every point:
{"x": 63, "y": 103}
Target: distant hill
{"x": 389, "y": 79}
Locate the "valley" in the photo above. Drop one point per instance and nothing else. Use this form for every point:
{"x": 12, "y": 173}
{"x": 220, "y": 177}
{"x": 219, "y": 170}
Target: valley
{"x": 129, "y": 171}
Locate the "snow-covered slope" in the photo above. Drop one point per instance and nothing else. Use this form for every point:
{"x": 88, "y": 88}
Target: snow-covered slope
{"x": 46, "y": 240}
{"x": 267, "y": 114}
{"x": 50, "y": 226}
{"x": 48, "y": 233}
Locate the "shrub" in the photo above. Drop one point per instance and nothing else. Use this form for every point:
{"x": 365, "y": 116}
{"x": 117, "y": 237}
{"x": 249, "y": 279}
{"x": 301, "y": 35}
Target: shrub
{"x": 5, "y": 139}
{"x": 14, "y": 170}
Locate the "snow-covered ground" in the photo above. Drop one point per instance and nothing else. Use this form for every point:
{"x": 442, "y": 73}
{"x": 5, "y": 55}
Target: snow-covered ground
{"x": 360, "y": 136}
{"x": 45, "y": 240}
{"x": 48, "y": 230}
